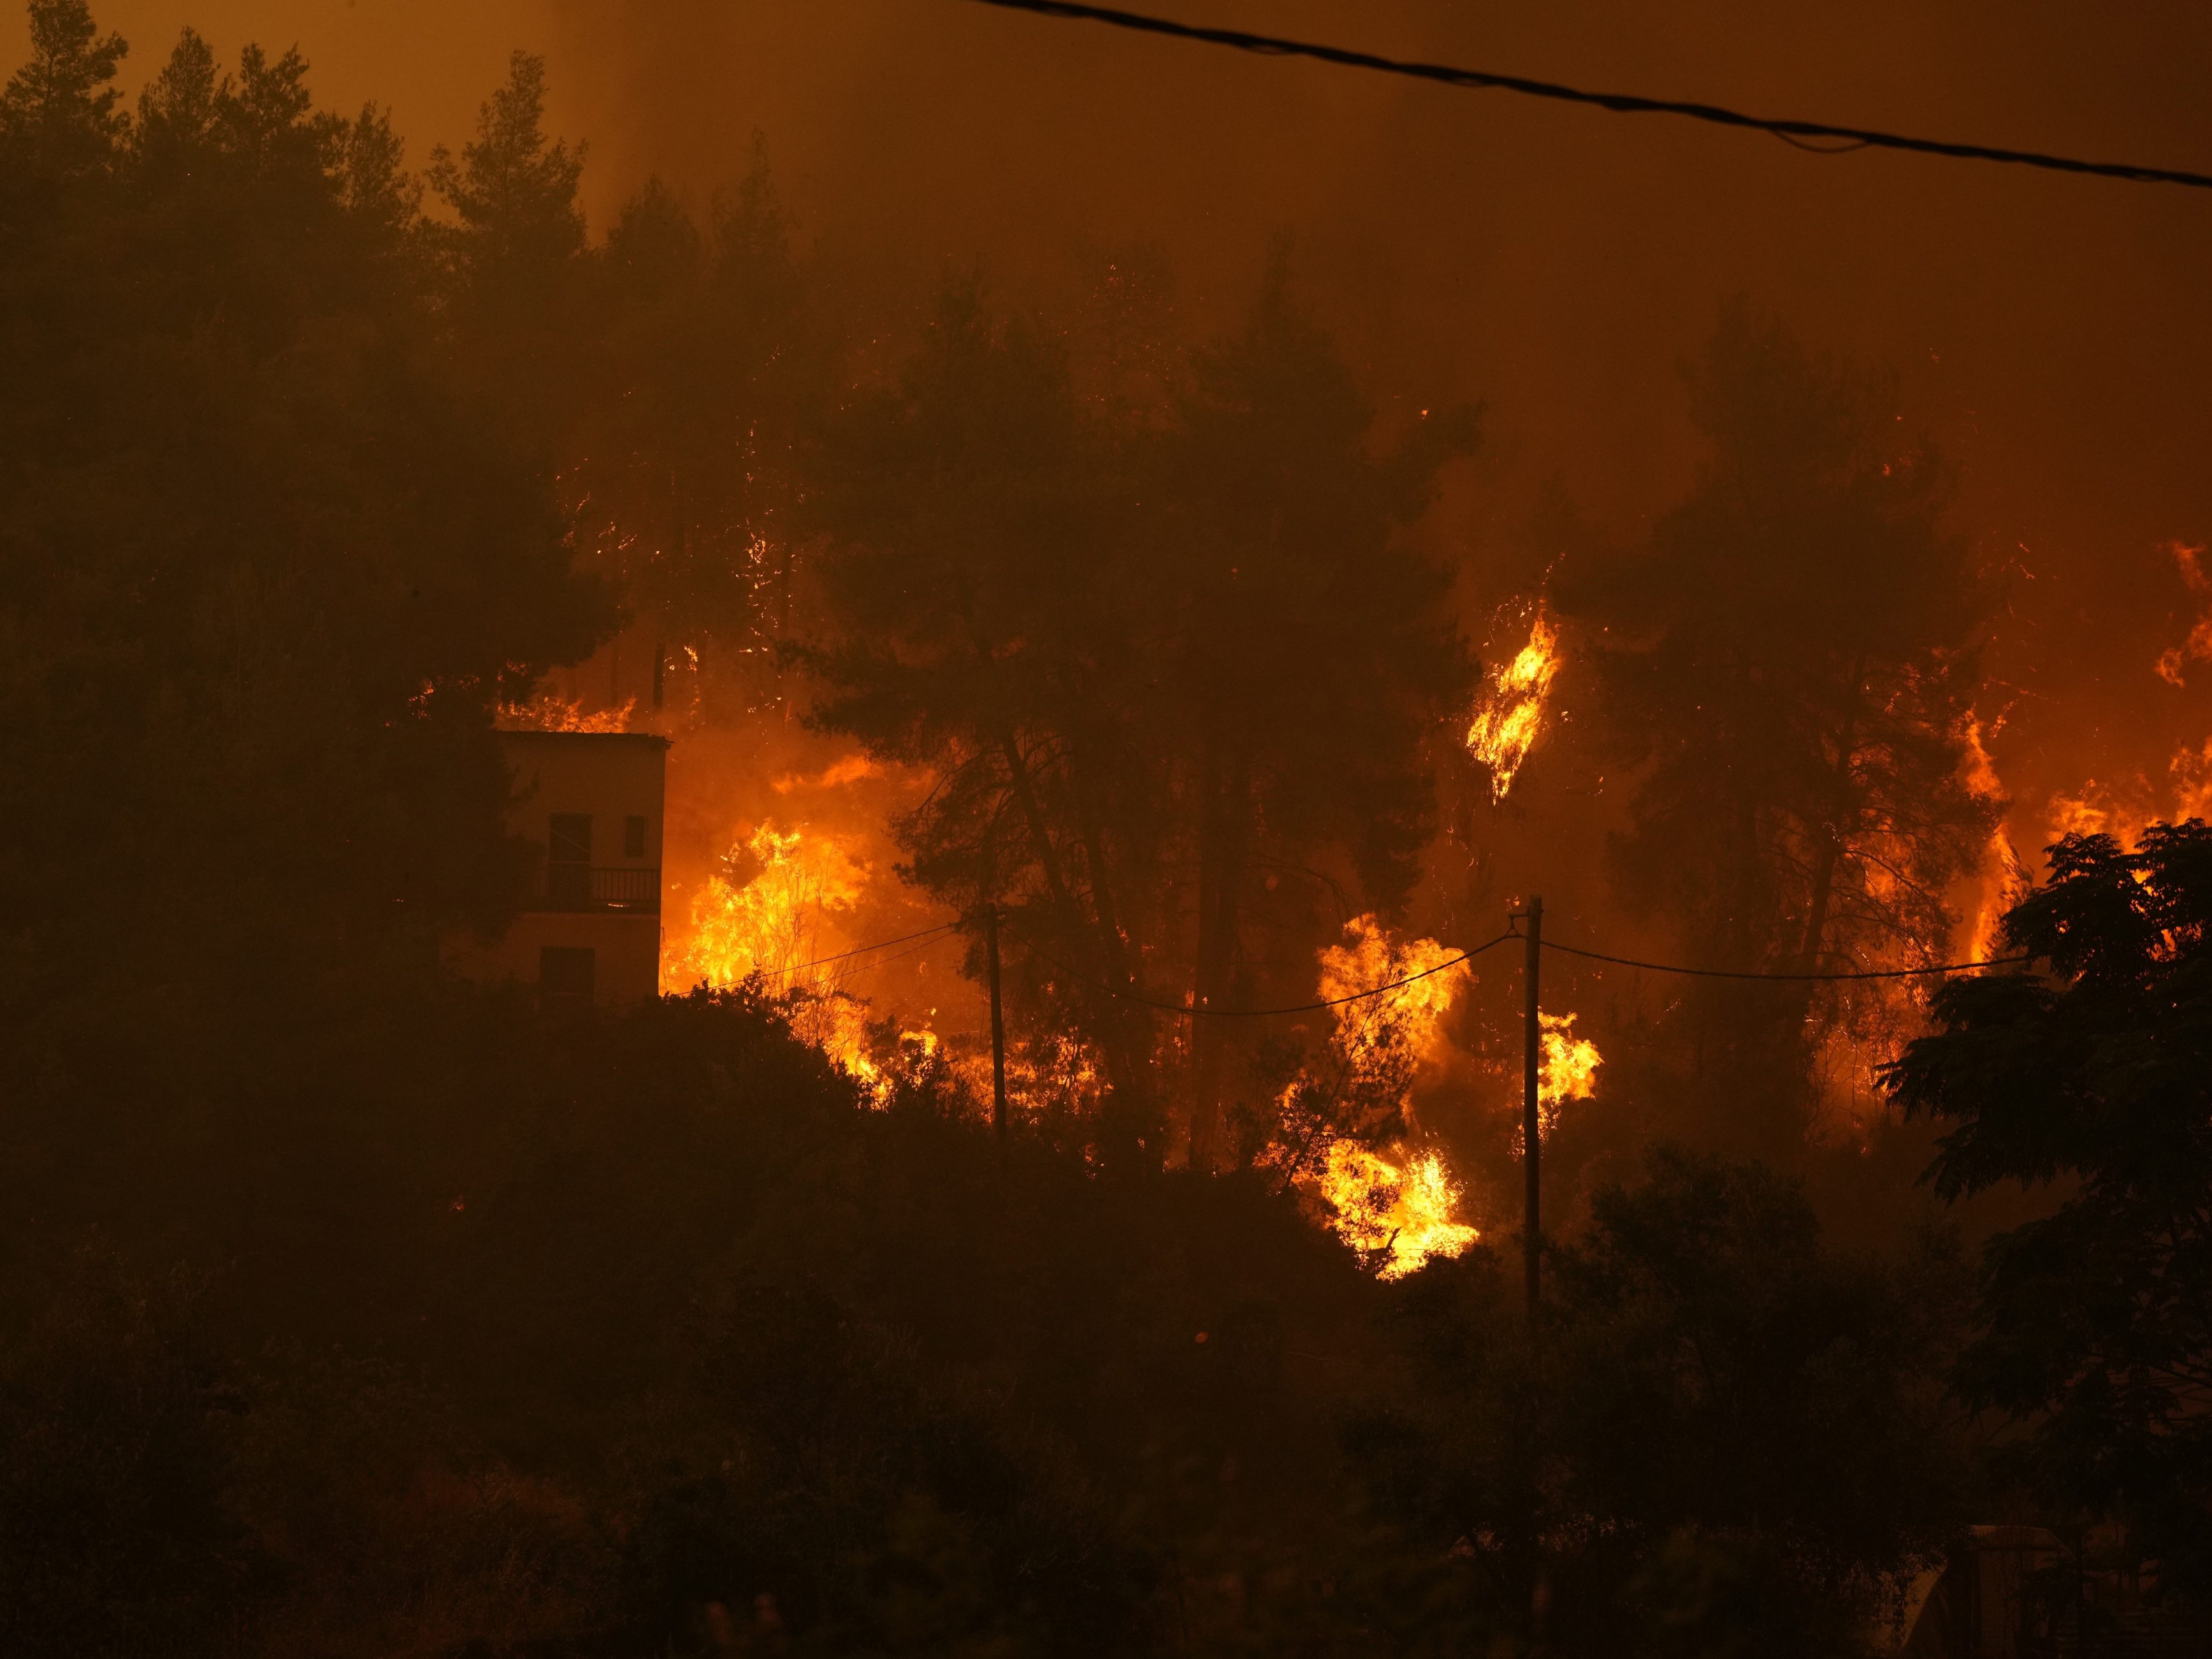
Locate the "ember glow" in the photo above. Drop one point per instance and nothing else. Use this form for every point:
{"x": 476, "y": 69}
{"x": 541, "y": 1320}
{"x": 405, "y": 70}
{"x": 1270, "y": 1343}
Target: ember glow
{"x": 550, "y": 711}
{"x": 2173, "y": 663}
{"x": 1511, "y": 717}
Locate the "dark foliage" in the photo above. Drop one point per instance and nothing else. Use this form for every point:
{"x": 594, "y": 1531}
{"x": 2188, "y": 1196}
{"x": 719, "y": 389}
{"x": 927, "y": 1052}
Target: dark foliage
{"x": 265, "y": 576}
{"x": 1728, "y": 1432}
{"x": 1787, "y": 669}
{"x": 2093, "y": 1078}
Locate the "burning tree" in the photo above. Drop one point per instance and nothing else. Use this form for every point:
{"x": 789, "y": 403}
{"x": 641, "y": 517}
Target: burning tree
{"x": 1341, "y": 1126}
{"x": 1159, "y": 668}
{"x": 978, "y": 524}
{"x": 1307, "y": 654}
{"x": 1791, "y": 674}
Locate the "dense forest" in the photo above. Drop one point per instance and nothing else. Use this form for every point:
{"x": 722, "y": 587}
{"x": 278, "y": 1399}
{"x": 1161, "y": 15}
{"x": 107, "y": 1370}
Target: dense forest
{"x": 349, "y": 1308}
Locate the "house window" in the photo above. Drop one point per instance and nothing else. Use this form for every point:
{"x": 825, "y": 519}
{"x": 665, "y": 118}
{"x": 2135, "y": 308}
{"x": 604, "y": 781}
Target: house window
{"x": 568, "y": 861}
{"x": 566, "y": 973}
{"x": 633, "y": 838}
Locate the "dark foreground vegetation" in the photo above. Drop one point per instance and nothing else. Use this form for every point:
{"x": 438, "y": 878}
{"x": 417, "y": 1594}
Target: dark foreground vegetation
{"x": 346, "y": 1310}
{"x": 648, "y": 1337}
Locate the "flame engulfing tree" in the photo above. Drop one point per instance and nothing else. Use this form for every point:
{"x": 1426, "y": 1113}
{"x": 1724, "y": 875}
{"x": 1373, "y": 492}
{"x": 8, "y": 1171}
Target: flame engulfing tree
{"x": 977, "y": 519}
{"x": 1790, "y": 672}
{"x": 1342, "y": 1127}
{"x": 1308, "y": 650}
{"x": 1157, "y": 667}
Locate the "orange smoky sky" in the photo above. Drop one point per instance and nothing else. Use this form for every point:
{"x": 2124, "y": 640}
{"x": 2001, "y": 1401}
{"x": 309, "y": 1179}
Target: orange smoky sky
{"x": 2052, "y": 334}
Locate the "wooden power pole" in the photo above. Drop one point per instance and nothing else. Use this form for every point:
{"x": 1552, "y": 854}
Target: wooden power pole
{"x": 1531, "y": 1124}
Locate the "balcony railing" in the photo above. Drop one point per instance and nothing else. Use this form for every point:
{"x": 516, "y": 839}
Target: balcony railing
{"x": 595, "y": 887}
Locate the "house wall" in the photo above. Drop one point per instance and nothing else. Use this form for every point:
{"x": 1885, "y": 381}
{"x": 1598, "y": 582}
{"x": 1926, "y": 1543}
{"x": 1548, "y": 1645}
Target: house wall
{"x": 611, "y": 777}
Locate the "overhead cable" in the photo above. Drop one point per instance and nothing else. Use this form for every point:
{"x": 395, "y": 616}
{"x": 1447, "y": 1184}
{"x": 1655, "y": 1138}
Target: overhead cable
{"x": 858, "y": 950}
{"x": 1732, "y": 973}
{"x": 1188, "y": 1009}
{"x": 1800, "y": 133}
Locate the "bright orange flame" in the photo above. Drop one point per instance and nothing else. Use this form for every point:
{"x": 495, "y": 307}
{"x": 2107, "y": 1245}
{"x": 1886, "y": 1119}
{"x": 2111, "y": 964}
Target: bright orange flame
{"x": 762, "y": 909}
{"x": 1048, "y": 1072}
{"x": 1511, "y": 717}
{"x": 1397, "y": 1206}
{"x": 852, "y": 769}
{"x": 2010, "y": 884}
{"x": 2004, "y": 878}
{"x": 763, "y": 912}
{"x": 1566, "y": 1070}
{"x": 1411, "y": 1015}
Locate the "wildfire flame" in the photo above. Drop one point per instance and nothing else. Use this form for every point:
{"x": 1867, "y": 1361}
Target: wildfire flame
{"x": 1410, "y": 1016}
{"x": 1395, "y": 1206}
{"x": 1511, "y": 716}
{"x": 1398, "y": 1205}
{"x": 2011, "y": 886}
{"x": 2192, "y": 781}
{"x": 1566, "y": 1069}
{"x": 763, "y": 907}
{"x": 763, "y": 911}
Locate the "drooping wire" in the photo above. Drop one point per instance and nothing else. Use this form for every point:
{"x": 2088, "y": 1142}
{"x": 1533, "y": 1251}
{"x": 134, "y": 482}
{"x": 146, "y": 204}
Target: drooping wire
{"x": 858, "y": 950}
{"x": 1793, "y": 131}
{"x": 1733, "y": 973}
{"x": 1188, "y": 1010}
{"x": 885, "y": 962}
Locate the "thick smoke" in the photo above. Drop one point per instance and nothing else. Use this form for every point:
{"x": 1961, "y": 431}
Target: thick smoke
{"x": 1556, "y": 264}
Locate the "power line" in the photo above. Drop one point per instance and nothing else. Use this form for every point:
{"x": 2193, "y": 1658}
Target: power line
{"x": 1792, "y": 131}
{"x": 859, "y": 950}
{"x": 1186, "y": 1010}
{"x": 885, "y": 962}
{"x": 1730, "y": 973}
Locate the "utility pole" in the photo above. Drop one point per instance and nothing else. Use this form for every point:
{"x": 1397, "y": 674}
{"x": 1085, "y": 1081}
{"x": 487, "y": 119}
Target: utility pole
{"x": 1531, "y": 1124}
{"x": 1532, "y": 1240}
{"x": 998, "y": 1027}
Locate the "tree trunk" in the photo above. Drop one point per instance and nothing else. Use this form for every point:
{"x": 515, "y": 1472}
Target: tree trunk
{"x": 1048, "y": 857}
{"x": 1121, "y": 1070}
{"x": 1227, "y": 789}
{"x": 1842, "y": 815}
{"x": 1124, "y": 1017}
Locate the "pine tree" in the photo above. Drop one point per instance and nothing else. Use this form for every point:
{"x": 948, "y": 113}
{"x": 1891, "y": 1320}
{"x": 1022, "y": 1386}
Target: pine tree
{"x": 1789, "y": 667}
{"x": 59, "y": 110}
